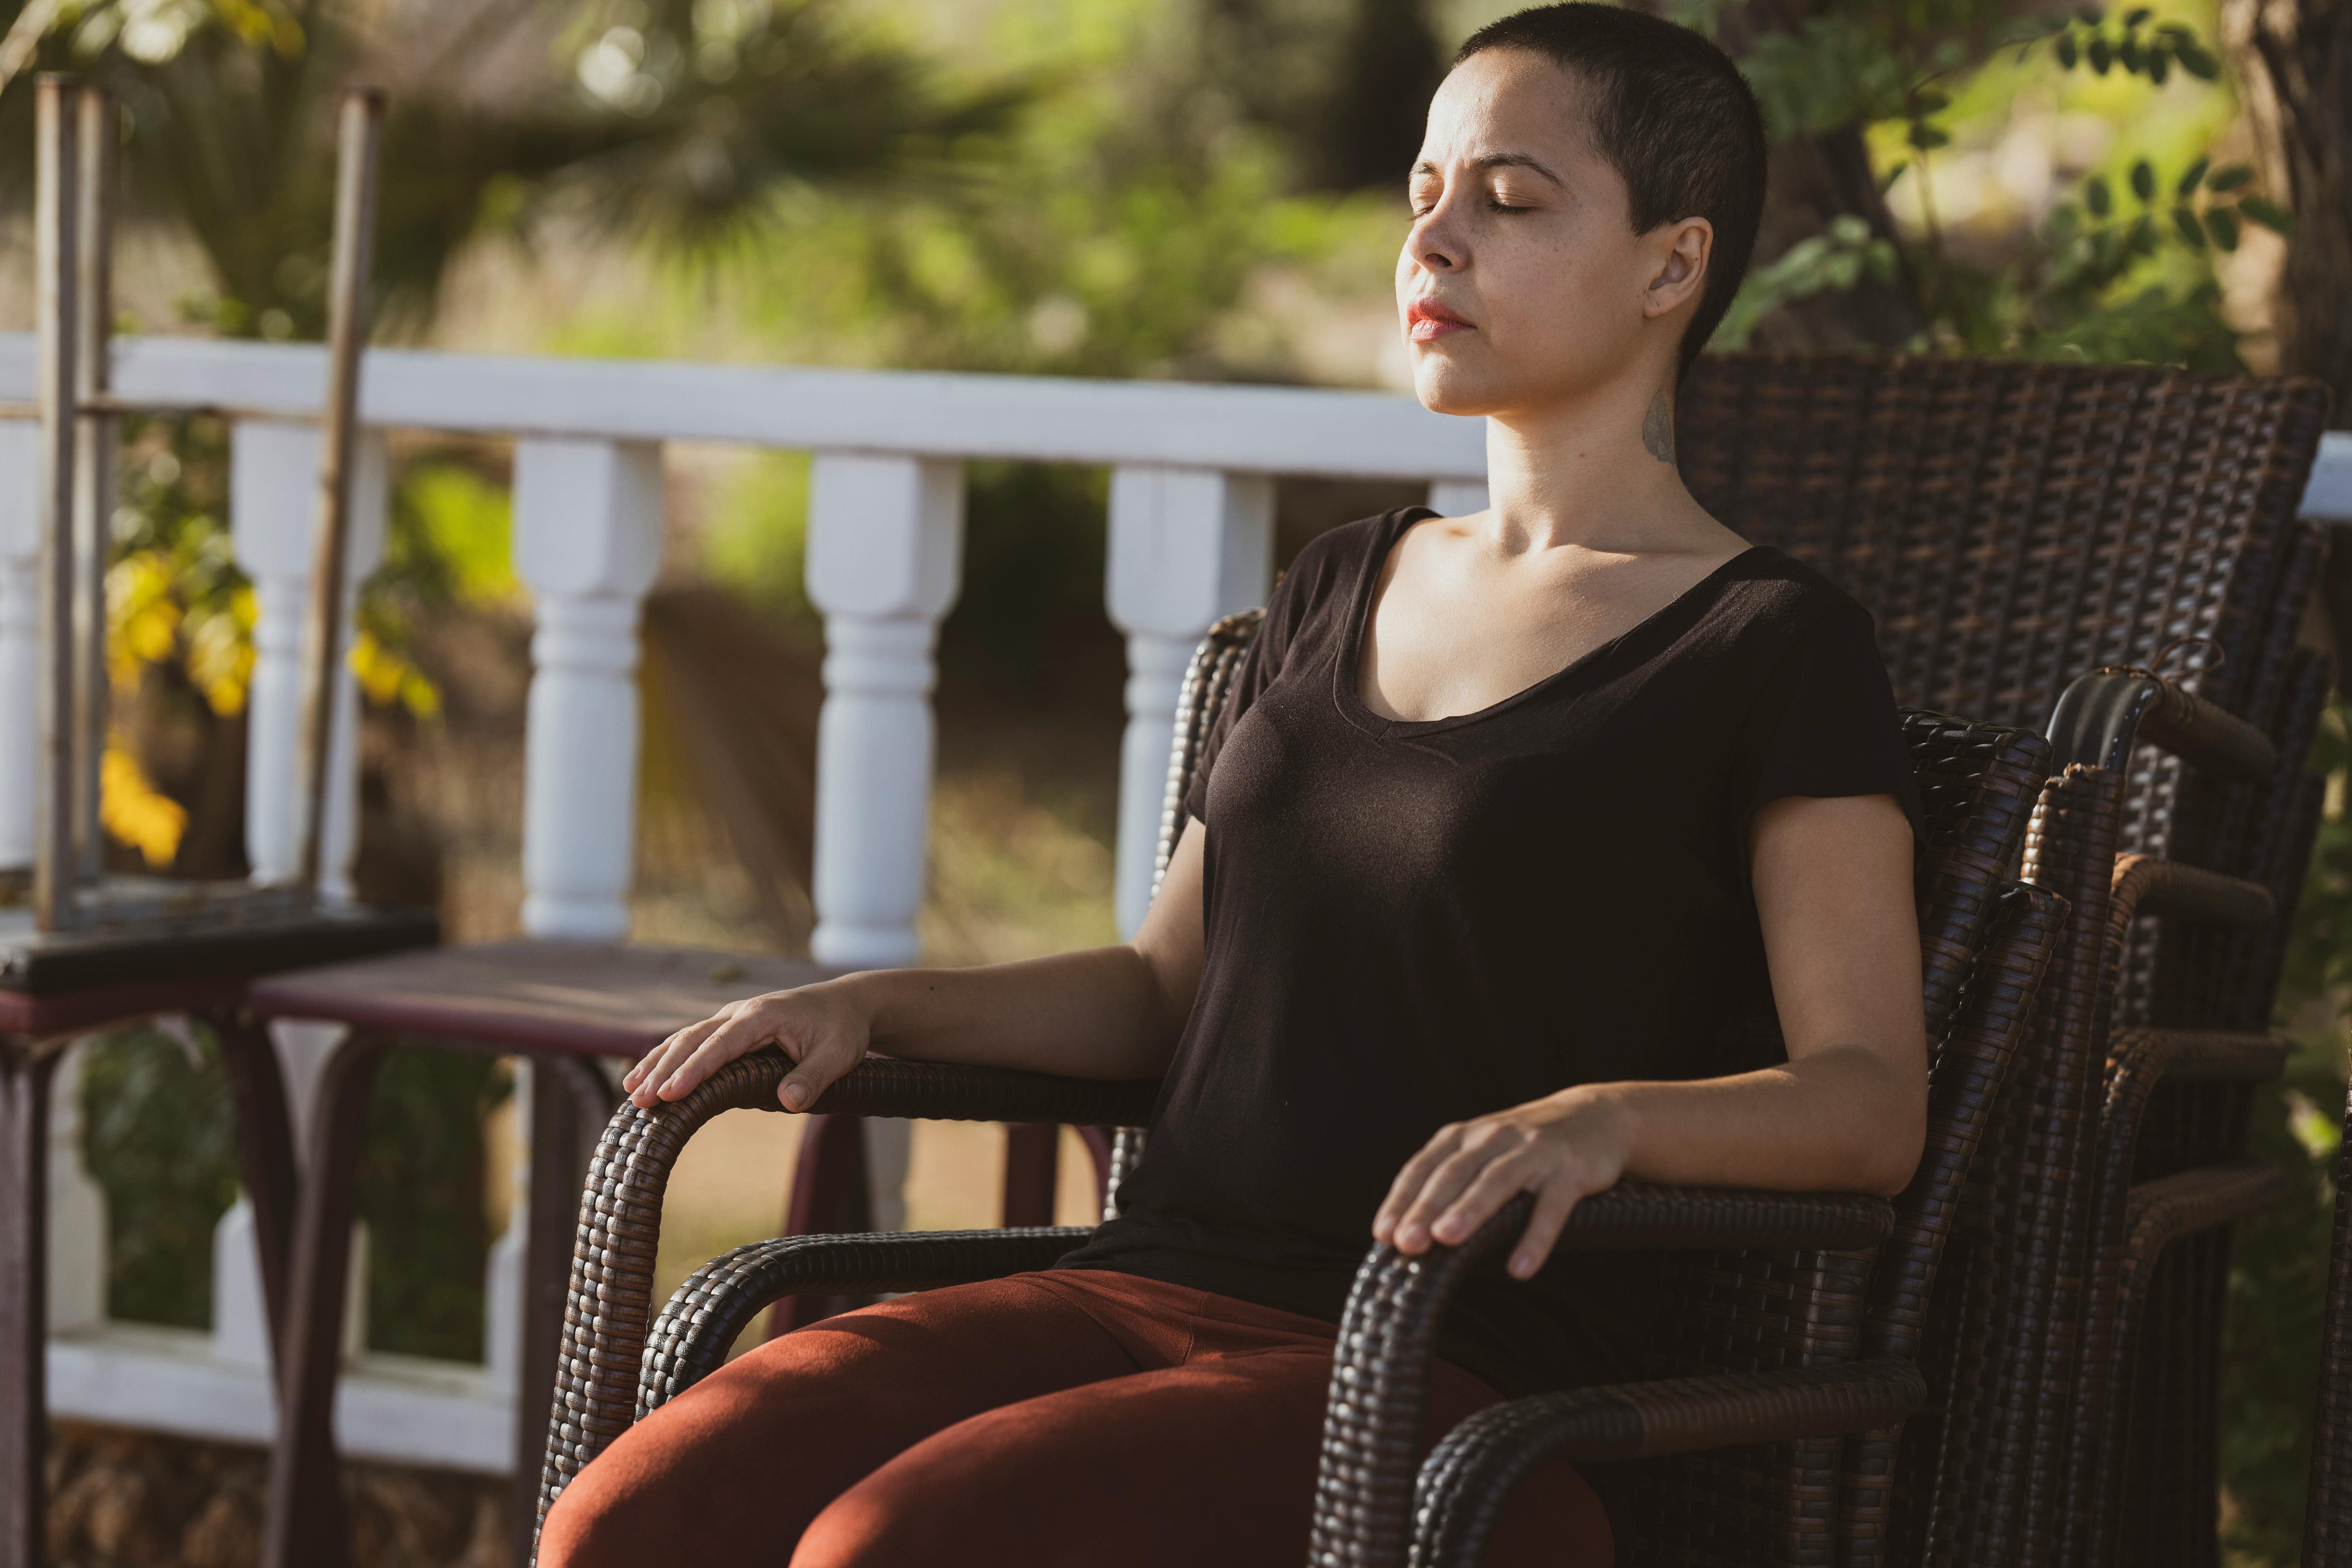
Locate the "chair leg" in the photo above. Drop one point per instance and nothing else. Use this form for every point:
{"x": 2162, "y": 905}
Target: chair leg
{"x": 1032, "y": 1157}
{"x": 829, "y": 1198}
{"x": 306, "y": 1525}
{"x": 23, "y": 1299}
{"x": 568, "y": 1098}
{"x": 265, "y": 1152}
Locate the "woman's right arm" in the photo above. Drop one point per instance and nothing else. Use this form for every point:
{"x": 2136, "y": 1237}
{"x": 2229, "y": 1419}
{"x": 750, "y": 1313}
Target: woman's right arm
{"x": 1105, "y": 1013}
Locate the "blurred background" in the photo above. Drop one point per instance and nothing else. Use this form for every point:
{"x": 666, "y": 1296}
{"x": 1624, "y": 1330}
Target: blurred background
{"x": 1195, "y": 189}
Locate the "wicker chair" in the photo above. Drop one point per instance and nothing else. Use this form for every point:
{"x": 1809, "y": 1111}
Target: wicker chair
{"x": 1798, "y": 1284}
{"x": 2011, "y": 526}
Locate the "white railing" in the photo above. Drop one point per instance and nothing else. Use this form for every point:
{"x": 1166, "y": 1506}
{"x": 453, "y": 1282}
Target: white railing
{"x": 1191, "y": 523}
{"x": 1191, "y": 520}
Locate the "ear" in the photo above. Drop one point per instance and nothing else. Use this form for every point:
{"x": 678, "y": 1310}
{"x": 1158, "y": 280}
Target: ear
{"x": 1683, "y": 248}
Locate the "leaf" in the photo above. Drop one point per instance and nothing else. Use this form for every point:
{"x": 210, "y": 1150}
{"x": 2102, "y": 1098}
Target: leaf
{"x": 2191, "y": 231}
{"x": 2160, "y": 65}
{"x": 2066, "y": 55}
{"x": 1886, "y": 180}
{"x": 2098, "y": 197}
{"x": 2195, "y": 173}
{"x": 2197, "y": 63}
{"x": 2137, "y": 16}
{"x": 2234, "y": 177}
{"x": 1926, "y": 137}
{"x": 2102, "y": 56}
{"x": 2143, "y": 180}
{"x": 2128, "y": 53}
{"x": 2269, "y": 214}
{"x": 2222, "y": 225}
{"x": 2091, "y": 15}
{"x": 1928, "y": 101}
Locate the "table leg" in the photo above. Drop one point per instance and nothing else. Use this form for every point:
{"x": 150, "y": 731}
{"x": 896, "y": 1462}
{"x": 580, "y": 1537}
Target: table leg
{"x": 265, "y": 1152}
{"x": 829, "y": 1198}
{"x": 23, "y": 1299}
{"x": 306, "y": 1526}
{"x": 570, "y": 1103}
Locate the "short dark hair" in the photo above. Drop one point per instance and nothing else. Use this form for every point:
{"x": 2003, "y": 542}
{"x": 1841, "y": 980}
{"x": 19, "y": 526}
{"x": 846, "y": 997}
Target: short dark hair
{"x": 1673, "y": 116}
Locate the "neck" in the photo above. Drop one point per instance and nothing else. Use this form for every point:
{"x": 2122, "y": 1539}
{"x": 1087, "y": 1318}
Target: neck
{"x": 1596, "y": 470}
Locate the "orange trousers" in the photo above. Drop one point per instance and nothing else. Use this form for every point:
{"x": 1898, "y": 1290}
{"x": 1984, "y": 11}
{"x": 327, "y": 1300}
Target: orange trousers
{"x": 1072, "y": 1416}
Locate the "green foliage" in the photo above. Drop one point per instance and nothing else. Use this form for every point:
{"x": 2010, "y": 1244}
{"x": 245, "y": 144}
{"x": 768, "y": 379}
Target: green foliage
{"x": 420, "y": 1193}
{"x": 2118, "y": 269}
{"x": 159, "y": 1135}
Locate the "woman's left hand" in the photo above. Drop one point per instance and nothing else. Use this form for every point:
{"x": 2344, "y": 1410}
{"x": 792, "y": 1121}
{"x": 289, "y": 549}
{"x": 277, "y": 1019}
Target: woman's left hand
{"x": 1562, "y": 1149}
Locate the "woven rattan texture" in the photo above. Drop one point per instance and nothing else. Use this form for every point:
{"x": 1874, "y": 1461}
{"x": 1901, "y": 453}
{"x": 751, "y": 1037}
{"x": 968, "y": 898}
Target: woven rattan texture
{"x": 1964, "y": 1093}
{"x": 719, "y": 1300}
{"x": 609, "y": 1307}
{"x": 2014, "y": 1332}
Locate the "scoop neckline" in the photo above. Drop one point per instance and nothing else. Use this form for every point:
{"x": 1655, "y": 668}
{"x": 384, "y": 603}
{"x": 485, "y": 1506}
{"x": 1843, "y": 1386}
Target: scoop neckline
{"x": 1346, "y": 677}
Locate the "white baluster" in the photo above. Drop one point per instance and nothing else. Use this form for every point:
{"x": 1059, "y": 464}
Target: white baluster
{"x": 1187, "y": 546}
{"x": 588, "y": 541}
{"x": 240, "y": 1317}
{"x": 77, "y": 1238}
{"x": 274, "y": 521}
{"x": 1458, "y": 498}
{"x": 885, "y": 554}
{"x": 20, "y": 634}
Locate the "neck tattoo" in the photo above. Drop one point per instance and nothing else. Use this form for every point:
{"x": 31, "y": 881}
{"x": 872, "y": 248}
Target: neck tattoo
{"x": 1658, "y": 428}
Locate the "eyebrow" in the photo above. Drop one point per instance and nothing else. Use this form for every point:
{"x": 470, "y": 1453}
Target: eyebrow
{"x": 1500, "y": 161}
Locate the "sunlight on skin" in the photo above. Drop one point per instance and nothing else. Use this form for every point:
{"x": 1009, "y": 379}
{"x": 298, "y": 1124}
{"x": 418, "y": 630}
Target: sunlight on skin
{"x": 1524, "y": 297}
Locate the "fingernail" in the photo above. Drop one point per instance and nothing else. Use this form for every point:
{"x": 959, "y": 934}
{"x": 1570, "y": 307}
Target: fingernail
{"x": 794, "y": 1095}
{"x": 1523, "y": 1265}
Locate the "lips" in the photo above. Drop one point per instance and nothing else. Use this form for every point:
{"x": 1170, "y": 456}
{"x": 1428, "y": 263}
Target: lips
{"x": 1426, "y": 320}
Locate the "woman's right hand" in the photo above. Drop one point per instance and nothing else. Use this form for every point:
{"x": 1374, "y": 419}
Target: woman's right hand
{"x": 821, "y": 1027}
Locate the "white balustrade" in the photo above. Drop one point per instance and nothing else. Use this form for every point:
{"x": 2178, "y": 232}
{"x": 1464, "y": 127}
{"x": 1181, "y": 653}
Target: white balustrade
{"x": 273, "y": 525}
{"x": 1187, "y": 546}
{"x": 20, "y": 634}
{"x": 588, "y": 541}
{"x": 77, "y": 1232}
{"x": 885, "y": 552}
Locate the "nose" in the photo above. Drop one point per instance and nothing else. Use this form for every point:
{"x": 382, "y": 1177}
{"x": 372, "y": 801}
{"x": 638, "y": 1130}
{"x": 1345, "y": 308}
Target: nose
{"x": 1432, "y": 245}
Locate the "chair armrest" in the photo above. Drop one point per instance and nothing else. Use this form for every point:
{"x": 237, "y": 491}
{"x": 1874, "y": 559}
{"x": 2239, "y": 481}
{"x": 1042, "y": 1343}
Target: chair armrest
{"x": 610, "y": 1301}
{"x": 2144, "y": 885}
{"x": 1388, "y": 1333}
{"x": 2161, "y": 1212}
{"x": 1634, "y": 1217}
{"x": 2101, "y": 713}
{"x": 941, "y": 1091}
{"x": 719, "y": 1300}
{"x": 1463, "y": 1486}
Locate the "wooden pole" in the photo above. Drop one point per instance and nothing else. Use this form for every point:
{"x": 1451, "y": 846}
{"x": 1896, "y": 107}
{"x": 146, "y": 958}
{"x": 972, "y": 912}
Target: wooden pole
{"x": 99, "y": 134}
{"x": 56, "y": 234}
{"x": 360, "y": 137}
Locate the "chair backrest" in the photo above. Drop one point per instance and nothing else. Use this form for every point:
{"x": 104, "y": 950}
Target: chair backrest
{"x": 2012, "y": 525}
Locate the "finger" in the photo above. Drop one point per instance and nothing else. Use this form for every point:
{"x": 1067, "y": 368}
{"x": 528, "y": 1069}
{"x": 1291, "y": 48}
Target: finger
{"x": 663, "y": 1060}
{"x": 1407, "y": 1185}
{"x": 748, "y": 1030}
{"x": 1555, "y": 1201}
{"x": 1504, "y": 1179}
{"x": 818, "y": 1069}
{"x": 1445, "y": 1184}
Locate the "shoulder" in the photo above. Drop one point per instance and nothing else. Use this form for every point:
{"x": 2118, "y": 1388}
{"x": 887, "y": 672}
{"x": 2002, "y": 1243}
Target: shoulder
{"x": 1326, "y": 572}
{"x": 1773, "y": 598}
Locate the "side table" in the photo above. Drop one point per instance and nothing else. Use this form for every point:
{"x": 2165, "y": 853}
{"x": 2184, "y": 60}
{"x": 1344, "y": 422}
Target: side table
{"x": 561, "y": 1002}
{"x": 54, "y": 989}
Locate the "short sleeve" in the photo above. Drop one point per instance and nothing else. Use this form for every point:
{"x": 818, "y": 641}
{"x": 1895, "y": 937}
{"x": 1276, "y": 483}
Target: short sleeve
{"x": 1260, "y": 665}
{"x": 1316, "y": 578}
{"x": 1823, "y": 722}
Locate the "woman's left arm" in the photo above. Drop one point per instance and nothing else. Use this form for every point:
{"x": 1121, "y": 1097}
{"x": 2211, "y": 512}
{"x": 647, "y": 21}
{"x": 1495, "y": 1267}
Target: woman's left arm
{"x": 1847, "y": 1111}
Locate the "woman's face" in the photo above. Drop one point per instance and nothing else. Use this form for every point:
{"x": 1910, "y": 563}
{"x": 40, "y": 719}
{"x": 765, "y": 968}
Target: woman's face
{"x": 1522, "y": 284}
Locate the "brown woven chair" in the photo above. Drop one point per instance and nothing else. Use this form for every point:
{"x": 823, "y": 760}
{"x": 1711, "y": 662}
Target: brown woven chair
{"x": 618, "y": 1365}
{"x": 2011, "y": 526}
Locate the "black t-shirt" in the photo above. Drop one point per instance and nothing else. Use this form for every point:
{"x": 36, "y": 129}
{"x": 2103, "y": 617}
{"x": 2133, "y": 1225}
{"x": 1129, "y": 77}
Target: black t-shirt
{"x": 1409, "y": 923}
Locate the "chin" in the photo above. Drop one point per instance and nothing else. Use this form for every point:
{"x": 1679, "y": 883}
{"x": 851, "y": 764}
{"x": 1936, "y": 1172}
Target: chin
{"x": 1445, "y": 387}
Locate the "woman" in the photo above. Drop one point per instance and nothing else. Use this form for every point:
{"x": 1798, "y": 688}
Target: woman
{"x": 1521, "y": 833}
